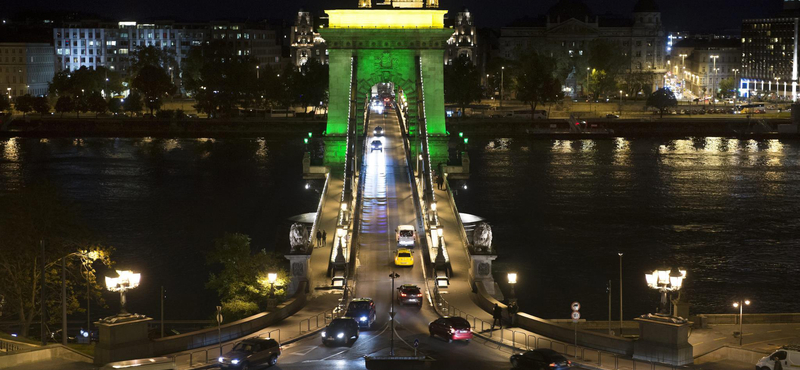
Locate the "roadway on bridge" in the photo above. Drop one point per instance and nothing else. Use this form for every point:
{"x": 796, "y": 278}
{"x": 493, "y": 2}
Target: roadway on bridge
{"x": 387, "y": 203}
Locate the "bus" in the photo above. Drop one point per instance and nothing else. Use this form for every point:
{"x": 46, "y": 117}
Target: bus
{"x": 751, "y": 108}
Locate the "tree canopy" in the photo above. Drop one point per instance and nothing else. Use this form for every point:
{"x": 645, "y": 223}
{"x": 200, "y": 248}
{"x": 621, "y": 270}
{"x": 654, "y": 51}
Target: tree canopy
{"x": 85, "y": 81}
{"x": 241, "y": 281}
{"x": 462, "y": 83}
{"x": 153, "y": 83}
{"x": 535, "y": 80}
{"x": 662, "y": 100}
{"x": 39, "y": 215}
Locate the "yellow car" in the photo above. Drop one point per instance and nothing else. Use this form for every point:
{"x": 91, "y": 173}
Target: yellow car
{"x": 403, "y": 257}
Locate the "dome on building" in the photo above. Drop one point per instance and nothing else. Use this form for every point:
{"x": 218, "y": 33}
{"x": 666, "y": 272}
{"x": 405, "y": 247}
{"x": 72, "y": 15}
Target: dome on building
{"x": 646, "y": 6}
{"x": 566, "y": 9}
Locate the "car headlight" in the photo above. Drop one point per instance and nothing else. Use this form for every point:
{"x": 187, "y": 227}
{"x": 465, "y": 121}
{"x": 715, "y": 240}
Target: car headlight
{"x": 340, "y": 335}
{"x": 220, "y": 359}
{"x": 363, "y": 318}
{"x": 235, "y": 361}
{"x": 323, "y": 333}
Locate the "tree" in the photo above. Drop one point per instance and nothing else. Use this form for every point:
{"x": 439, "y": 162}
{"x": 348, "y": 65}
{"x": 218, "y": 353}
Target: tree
{"x": 81, "y": 104}
{"x": 310, "y": 84}
{"x": 607, "y": 63}
{"x": 115, "y": 105}
{"x": 24, "y": 104}
{"x": 727, "y": 87}
{"x": 154, "y": 57}
{"x": 41, "y": 105}
{"x": 85, "y": 81}
{"x": 242, "y": 283}
{"x": 5, "y": 105}
{"x": 635, "y": 81}
{"x": 535, "y": 82}
{"x": 153, "y": 83}
{"x": 133, "y": 103}
{"x": 97, "y": 104}
{"x": 37, "y": 215}
{"x": 64, "y": 104}
{"x": 662, "y": 99}
{"x": 462, "y": 83}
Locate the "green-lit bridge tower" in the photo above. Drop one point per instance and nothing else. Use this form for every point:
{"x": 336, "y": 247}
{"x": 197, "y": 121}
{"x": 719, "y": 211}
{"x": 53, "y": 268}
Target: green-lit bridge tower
{"x": 402, "y": 46}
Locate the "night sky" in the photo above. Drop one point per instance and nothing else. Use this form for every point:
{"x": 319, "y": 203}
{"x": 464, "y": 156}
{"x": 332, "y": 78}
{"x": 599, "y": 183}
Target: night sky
{"x": 693, "y": 15}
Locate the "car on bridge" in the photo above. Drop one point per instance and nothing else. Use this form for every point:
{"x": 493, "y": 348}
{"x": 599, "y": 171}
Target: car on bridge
{"x": 542, "y": 358}
{"x": 403, "y": 257}
{"x": 451, "y": 328}
{"x": 377, "y": 131}
{"x": 409, "y": 294}
{"x": 406, "y": 235}
{"x": 341, "y": 330}
{"x": 363, "y": 310}
{"x": 250, "y": 353}
{"x": 376, "y": 145}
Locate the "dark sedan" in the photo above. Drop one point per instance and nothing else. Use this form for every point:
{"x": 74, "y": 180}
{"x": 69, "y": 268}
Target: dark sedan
{"x": 409, "y": 294}
{"x": 451, "y": 328}
{"x": 250, "y": 353}
{"x": 343, "y": 330}
{"x": 541, "y": 358}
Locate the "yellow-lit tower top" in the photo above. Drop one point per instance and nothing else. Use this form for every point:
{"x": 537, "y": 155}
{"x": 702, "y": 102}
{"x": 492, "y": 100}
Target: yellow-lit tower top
{"x": 413, "y": 4}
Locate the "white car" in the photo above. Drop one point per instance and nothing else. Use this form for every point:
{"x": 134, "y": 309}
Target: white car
{"x": 406, "y": 235}
{"x": 789, "y": 356}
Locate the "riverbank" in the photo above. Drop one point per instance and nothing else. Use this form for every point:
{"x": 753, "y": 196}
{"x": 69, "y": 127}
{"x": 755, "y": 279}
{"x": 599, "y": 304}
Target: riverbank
{"x": 139, "y": 127}
{"x": 724, "y": 126}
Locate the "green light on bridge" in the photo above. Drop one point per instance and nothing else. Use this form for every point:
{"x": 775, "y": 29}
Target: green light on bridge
{"x": 460, "y": 134}
{"x": 305, "y": 140}
{"x": 309, "y": 134}
{"x": 466, "y": 140}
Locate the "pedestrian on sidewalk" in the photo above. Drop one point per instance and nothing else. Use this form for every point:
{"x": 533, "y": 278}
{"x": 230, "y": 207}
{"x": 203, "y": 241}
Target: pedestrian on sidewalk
{"x": 497, "y": 315}
{"x": 778, "y": 365}
{"x": 319, "y": 238}
{"x": 439, "y": 182}
{"x": 324, "y": 238}
{"x": 512, "y": 310}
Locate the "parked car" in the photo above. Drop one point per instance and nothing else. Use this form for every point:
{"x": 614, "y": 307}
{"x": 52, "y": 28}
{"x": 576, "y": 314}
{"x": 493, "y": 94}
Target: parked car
{"x": 376, "y": 145}
{"x": 250, "y": 353}
{"x": 409, "y": 294}
{"x": 451, "y": 328}
{"x": 342, "y": 330}
{"x": 377, "y": 131}
{"x": 403, "y": 257}
{"x": 541, "y": 358}
{"x": 363, "y": 310}
{"x": 789, "y": 356}
{"x": 612, "y": 115}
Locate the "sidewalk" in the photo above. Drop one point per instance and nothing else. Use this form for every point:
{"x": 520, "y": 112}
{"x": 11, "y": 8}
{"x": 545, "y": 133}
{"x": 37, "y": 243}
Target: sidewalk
{"x": 307, "y": 321}
{"x": 320, "y": 257}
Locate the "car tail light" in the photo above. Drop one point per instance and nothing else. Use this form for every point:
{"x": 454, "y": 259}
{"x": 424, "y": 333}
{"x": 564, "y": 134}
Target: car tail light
{"x": 402, "y": 294}
{"x": 452, "y": 331}
{"x": 552, "y": 364}
{"x": 569, "y": 362}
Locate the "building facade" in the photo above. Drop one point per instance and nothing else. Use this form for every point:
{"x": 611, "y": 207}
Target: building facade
{"x": 570, "y": 26}
{"x": 464, "y": 40}
{"x": 95, "y": 44}
{"x": 26, "y": 68}
{"x": 704, "y": 63}
{"x": 306, "y": 43}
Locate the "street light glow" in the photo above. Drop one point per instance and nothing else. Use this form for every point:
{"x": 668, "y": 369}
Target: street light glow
{"x": 127, "y": 280}
{"x": 271, "y": 277}
{"x": 512, "y": 277}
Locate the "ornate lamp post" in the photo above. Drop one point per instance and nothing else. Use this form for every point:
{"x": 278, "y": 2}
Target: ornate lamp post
{"x": 665, "y": 281}
{"x": 127, "y": 280}
{"x": 740, "y": 305}
{"x": 271, "y": 278}
{"x": 512, "y": 280}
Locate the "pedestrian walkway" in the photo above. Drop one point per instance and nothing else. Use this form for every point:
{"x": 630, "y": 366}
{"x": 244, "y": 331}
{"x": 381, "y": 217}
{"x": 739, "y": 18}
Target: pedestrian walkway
{"x": 320, "y": 257}
{"x": 317, "y": 312}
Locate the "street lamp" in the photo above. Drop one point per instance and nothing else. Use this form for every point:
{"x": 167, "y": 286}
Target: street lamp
{"x": 512, "y": 280}
{"x": 740, "y": 305}
{"x": 735, "y": 89}
{"x": 620, "y": 293}
{"x": 714, "y": 85}
{"x": 127, "y": 280}
{"x": 665, "y": 281}
{"x": 502, "y": 79}
{"x": 620, "y": 103}
{"x": 271, "y": 278}
{"x": 393, "y": 275}
{"x": 258, "y": 72}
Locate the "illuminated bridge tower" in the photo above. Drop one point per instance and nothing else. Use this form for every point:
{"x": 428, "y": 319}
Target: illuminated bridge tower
{"x": 401, "y": 45}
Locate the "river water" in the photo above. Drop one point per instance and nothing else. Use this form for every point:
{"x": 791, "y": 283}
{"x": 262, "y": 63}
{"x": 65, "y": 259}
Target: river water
{"x": 162, "y": 202}
{"x": 724, "y": 209}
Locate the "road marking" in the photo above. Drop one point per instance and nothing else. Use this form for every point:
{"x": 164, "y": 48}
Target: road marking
{"x": 720, "y": 338}
{"x": 773, "y": 331}
{"x": 746, "y": 334}
{"x": 333, "y": 355}
{"x": 698, "y": 343}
